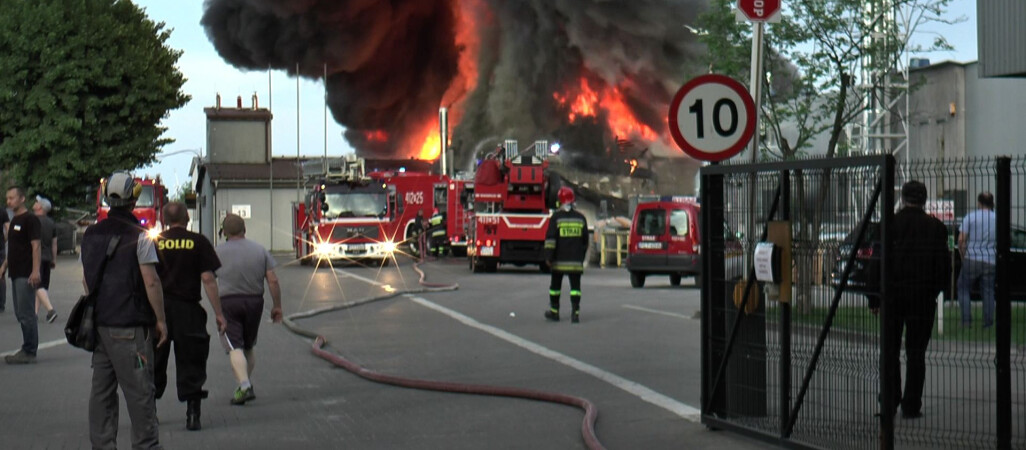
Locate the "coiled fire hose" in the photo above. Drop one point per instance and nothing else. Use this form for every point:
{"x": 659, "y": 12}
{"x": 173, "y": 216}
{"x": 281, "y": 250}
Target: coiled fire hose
{"x": 319, "y": 344}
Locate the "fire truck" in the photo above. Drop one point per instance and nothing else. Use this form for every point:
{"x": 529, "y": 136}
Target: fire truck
{"x": 512, "y": 209}
{"x": 149, "y": 209}
{"x": 454, "y": 197}
{"x": 355, "y": 214}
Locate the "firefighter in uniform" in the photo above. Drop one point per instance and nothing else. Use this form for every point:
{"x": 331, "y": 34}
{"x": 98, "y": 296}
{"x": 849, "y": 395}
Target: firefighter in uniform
{"x": 566, "y": 241}
{"x": 436, "y": 233}
{"x": 187, "y": 262}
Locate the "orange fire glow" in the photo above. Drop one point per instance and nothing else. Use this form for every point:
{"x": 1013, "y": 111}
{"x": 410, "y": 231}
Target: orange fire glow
{"x": 376, "y": 136}
{"x": 633, "y": 162}
{"x": 586, "y": 102}
{"x": 431, "y": 148}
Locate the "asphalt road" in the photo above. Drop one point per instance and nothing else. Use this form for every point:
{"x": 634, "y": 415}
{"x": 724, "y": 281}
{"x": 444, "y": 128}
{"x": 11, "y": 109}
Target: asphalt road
{"x": 634, "y": 355}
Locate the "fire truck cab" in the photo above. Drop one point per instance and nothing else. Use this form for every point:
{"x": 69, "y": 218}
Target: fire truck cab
{"x": 351, "y": 214}
{"x": 149, "y": 208}
{"x": 511, "y": 212}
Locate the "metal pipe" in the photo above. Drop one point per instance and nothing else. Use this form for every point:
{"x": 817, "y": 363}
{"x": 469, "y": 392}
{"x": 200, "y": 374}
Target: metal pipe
{"x": 443, "y": 135}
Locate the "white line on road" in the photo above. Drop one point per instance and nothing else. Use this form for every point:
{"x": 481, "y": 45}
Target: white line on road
{"x": 656, "y": 311}
{"x": 644, "y": 393}
{"x": 42, "y": 346}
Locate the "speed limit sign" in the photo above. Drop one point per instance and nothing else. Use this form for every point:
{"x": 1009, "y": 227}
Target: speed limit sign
{"x": 712, "y": 117}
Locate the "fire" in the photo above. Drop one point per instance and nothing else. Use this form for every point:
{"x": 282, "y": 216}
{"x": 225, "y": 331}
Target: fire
{"x": 430, "y": 150}
{"x": 587, "y": 102}
{"x": 633, "y": 162}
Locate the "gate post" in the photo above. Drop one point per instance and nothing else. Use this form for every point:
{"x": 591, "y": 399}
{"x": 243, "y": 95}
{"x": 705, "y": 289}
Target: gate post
{"x": 887, "y": 316}
{"x": 712, "y": 215}
{"x": 785, "y": 318}
{"x": 1003, "y": 307}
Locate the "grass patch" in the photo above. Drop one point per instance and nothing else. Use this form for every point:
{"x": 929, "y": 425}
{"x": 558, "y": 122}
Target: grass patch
{"x": 860, "y": 320}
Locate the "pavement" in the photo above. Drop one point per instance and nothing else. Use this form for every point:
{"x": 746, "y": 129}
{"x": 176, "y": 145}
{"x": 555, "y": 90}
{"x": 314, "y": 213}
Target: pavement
{"x": 305, "y": 402}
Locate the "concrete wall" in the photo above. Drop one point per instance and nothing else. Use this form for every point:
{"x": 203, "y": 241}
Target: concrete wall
{"x": 933, "y": 131}
{"x": 237, "y": 141}
{"x": 268, "y": 216}
{"x": 994, "y": 113}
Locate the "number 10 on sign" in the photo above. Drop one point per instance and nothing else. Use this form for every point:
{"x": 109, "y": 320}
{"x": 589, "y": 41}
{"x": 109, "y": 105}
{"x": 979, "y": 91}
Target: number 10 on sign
{"x": 712, "y": 117}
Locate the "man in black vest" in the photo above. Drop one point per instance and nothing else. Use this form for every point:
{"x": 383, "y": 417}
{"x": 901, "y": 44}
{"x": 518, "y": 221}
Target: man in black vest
{"x": 129, "y": 317}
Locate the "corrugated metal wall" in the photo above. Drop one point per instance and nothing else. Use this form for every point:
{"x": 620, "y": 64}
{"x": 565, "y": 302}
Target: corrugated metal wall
{"x": 1002, "y": 37}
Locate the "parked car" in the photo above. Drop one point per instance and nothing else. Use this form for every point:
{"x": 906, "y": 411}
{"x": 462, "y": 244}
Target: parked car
{"x": 664, "y": 240}
{"x": 865, "y": 275}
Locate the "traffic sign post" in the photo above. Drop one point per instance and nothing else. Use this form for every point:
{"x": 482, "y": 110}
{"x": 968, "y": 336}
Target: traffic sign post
{"x": 712, "y": 117}
{"x": 759, "y": 10}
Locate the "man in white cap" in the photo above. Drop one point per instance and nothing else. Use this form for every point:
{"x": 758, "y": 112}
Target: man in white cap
{"x": 47, "y": 255}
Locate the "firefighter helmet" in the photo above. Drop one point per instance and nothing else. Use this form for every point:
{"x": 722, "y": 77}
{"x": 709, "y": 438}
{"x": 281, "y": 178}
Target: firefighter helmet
{"x": 121, "y": 189}
{"x": 565, "y": 196}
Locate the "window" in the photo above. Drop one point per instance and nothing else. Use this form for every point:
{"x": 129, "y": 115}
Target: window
{"x": 679, "y": 222}
{"x": 355, "y": 205}
{"x": 652, "y": 222}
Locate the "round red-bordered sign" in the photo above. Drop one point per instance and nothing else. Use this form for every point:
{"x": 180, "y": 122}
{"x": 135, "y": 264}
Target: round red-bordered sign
{"x": 712, "y": 117}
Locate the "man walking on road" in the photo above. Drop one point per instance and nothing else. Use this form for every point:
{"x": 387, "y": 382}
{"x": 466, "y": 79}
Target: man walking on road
{"x": 186, "y": 259}
{"x": 977, "y": 243}
{"x": 47, "y": 255}
{"x": 566, "y": 242}
{"x": 920, "y": 261}
{"x": 23, "y": 259}
{"x": 245, "y": 266}
{"x": 129, "y": 312}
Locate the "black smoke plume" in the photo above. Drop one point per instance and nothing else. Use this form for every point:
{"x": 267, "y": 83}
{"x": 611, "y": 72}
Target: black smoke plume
{"x": 390, "y": 63}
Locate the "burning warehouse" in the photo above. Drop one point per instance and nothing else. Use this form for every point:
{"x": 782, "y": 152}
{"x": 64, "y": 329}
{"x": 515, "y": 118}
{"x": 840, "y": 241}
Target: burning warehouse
{"x": 589, "y": 74}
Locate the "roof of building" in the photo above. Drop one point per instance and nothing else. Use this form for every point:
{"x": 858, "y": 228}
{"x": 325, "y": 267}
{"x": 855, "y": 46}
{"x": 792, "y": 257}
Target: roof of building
{"x": 237, "y": 114}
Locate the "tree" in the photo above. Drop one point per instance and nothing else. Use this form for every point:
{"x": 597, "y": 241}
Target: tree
{"x": 84, "y": 86}
{"x": 815, "y": 58}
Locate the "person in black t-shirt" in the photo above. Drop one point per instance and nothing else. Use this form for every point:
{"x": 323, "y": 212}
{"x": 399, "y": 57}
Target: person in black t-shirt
{"x": 5, "y": 220}
{"x": 186, "y": 259}
{"x": 23, "y": 262}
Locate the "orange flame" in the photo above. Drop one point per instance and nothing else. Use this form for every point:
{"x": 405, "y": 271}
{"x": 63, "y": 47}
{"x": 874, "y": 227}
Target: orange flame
{"x": 586, "y": 102}
{"x": 633, "y": 162}
{"x": 376, "y": 136}
{"x": 431, "y": 149}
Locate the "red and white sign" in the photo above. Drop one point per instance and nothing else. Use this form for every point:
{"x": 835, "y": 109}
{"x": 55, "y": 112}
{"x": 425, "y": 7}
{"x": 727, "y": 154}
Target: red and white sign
{"x": 941, "y": 209}
{"x": 712, "y": 117}
{"x": 759, "y": 10}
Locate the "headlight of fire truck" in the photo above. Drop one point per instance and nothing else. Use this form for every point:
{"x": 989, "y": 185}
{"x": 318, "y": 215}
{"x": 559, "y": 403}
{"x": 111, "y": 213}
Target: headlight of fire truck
{"x": 153, "y": 233}
{"x": 324, "y": 249}
{"x": 388, "y": 247}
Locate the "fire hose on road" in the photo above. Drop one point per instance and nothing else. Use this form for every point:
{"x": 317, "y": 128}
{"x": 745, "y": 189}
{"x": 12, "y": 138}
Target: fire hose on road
{"x": 319, "y": 344}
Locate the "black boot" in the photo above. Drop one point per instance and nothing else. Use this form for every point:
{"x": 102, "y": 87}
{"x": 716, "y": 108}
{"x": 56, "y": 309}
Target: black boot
{"x": 192, "y": 415}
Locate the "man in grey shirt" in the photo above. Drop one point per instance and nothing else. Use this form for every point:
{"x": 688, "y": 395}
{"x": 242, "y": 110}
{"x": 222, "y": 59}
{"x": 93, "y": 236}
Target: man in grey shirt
{"x": 244, "y": 267}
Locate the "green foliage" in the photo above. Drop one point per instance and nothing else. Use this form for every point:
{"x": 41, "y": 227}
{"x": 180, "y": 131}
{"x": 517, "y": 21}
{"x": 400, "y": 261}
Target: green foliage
{"x": 815, "y": 57}
{"x": 85, "y": 84}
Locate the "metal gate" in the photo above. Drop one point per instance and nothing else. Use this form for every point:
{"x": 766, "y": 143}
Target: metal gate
{"x": 803, "y": 368}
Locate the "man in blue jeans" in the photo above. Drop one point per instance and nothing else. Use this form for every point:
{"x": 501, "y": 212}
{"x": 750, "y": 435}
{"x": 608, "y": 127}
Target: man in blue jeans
{"x": 23, "y": 259}
{"x": 977, "y": 242}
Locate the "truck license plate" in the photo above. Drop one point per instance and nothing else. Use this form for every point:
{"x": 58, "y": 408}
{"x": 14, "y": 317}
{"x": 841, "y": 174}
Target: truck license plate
{"x": 487, "y": 251}
{"x": 650, "y": 245}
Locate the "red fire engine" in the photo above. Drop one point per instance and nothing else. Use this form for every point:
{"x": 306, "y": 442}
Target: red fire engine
{"x": 149, "y": 209}
{"x": 455, "y": 199}
{"x": 512, "y": 212}
{"x": 355, "y": 214}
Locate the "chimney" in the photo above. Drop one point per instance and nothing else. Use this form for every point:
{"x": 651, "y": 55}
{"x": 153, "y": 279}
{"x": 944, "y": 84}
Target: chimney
{"x": 256, "y": 104}
{"x": 217, "y": 104}
{"x": 238, "y": 102}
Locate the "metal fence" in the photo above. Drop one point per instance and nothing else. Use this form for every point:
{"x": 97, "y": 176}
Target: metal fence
{"x": 801, "y": 366}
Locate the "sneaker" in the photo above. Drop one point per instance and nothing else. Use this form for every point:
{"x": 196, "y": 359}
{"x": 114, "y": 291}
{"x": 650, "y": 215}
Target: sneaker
{"x": 51, "y": 316}
{"x": 20, "y": 358}
{"x": 552, "y": 315}
{"x": 243, "y": 395}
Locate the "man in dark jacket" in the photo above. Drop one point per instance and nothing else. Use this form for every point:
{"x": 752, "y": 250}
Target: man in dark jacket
{"x": 187, "y": 261}
{"x": 129, "y": 317}
{"x": 919, "y": 268}
{"x": 566, "y": 242}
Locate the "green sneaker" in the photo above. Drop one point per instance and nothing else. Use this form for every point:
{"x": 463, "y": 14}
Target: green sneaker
{"x": 242, "y": 396}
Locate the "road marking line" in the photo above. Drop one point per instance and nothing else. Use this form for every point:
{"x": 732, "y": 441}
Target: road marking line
{"x": 42, "y": 346}
{"x": 656, "y": 311}
{"x": 646, "y": 394}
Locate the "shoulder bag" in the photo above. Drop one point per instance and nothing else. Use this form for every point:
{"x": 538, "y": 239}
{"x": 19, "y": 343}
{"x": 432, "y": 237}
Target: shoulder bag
{"x": 81, "y": 328}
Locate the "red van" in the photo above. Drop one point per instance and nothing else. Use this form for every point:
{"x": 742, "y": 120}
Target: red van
{"x": 664, "y": 240}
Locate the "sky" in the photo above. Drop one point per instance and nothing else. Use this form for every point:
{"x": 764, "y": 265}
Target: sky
{"x": 207, "y": 75}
